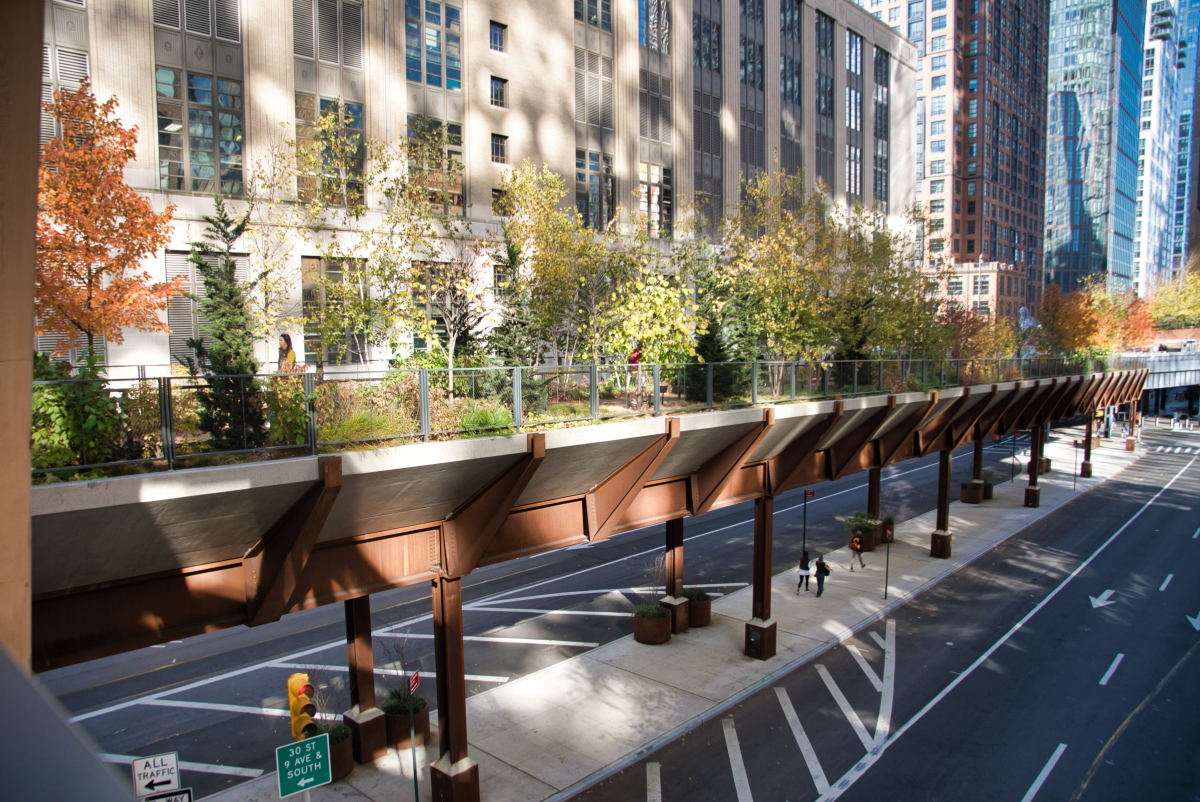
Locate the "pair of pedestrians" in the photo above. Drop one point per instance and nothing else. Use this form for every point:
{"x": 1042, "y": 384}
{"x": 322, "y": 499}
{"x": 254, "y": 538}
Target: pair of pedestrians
{"x": 812, "y": 568}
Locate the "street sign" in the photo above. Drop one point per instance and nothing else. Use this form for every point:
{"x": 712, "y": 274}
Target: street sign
{"x": 303, "y": 765}
{"x": 414, "y": 681}
{"x": 810, "y": 494}
{"x": 155, "y": 774}
{"x": 182, "y": 795}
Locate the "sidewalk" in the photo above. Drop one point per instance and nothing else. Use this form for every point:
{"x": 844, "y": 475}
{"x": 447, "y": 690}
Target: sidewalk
{"x": 551, "y": 733}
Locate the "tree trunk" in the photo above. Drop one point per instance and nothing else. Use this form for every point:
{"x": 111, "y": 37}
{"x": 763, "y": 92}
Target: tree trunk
{"x": 450, "y": 341}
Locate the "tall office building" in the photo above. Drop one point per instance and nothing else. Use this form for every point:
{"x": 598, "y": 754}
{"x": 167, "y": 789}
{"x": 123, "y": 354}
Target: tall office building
{"x": 1186, "y": 51}
{"x": 1158, "y": 149}
{"x": 1093, "y": 132}
{"x": 980, "y": 122}
{"x": 646, "y": 104}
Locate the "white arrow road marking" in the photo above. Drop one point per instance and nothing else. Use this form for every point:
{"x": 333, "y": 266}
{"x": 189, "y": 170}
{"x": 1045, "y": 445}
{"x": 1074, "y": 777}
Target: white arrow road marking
{"x": 1111, "y": 669}
{"x": 862, "y": 662}
{"x": 653, "y": 783}
{"x": 806, "y": 747}
{"x": 847, "y": 710}
{"x": 884, "y": 722}
{"x": 1041, "y": 778}
{"x": 1195, "y": 622}
{"x": 1104, "y": 600}
{"x": 879, "y": 639}
{"x": 741, "y": 782}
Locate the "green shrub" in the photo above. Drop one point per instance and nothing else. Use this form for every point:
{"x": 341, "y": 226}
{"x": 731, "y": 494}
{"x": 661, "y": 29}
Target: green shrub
{"x": 74, "y": 422}
{"x": 482, "y": 420}
{"x": 860, "y": 522}
{"x": 287, "y": 408}
{"x": 651, "y": 611}
{"x": 400, "y": 702}
{"x": 695, "y": 595}
{"x": 337, "y": 732}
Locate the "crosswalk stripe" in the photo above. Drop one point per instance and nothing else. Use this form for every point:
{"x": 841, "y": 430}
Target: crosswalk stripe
{"x": 653, "y": 783}
{"x": 847, "y": 711}
{"x": 806, "y": 747}
{"x": 741, "y": 782}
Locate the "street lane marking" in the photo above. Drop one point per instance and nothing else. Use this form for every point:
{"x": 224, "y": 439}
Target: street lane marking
{"x": 853, "y": 775}
{"x": 388, "y": 672}
{"x": 879, "y": 639}
{"x": 653, "y": 783}
{"x": 601, "y": 591}
{"x": 1041, "y": 778}
{"x": 862, "y": 663}
{"x": 741, "y": 782}
{"x": 262, "y": 711}
{"x": 884, "y": 722}
{"x": 806, "y": 747}
{"x": 490, "y": 639}
{"x": 206, "y": 768}
{"x": 847, "y": 710}
{"x": 1111, "y": 669}
{"x": 1166, "y": 582}
{"x": 1196, "y": 534}
{"x": 548, "y": 612}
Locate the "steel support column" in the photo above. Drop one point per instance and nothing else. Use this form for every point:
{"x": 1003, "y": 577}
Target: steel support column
{"x": 365, "y": 720}
{"x": 874, "y": 479}
{"x": 760, "y": 629}
{"x": 455, "y": 776}
{"x": 1033, "y": 494}
{"x": 1131, "y": 438}
{"x": 977, "y": 465}
{"x": 940, "y": 542}
{"x": 1085, "y": 470}
{"x": 673, "y": 599}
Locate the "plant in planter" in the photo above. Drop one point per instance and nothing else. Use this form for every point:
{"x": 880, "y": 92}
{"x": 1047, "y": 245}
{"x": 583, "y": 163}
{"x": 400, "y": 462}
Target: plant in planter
{"x": 699, "y": 607}
{"x": 341, "y": 755}
{"x": 651, "y": 624}
{"x": 406, "y": 715}
{"x": 863, "y": 525}
{"x": 989, "y": 486}
{"x": 971, "y": 493}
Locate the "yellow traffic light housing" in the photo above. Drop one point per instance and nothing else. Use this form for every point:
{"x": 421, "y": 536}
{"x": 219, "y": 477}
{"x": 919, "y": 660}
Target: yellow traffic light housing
{"x": 300, "y": 693}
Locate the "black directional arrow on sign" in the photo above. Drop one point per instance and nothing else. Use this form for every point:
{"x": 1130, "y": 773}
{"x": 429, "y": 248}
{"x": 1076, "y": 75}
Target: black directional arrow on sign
{"x": 155, "y": 783}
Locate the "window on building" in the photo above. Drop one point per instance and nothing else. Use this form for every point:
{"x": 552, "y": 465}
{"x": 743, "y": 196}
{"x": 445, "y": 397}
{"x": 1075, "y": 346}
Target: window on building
{"x": 655, "y": 199}
{"x": 973, "y": 108}
{"x": 433, "y": 44}
{"x": 937, "y": 187}
{"x": 938, "y": 105}
{"x": 939, "y": 23}
{"x": 331, "y": 181}
{"x": 654, "y": 25}
{"x": 937, "y": 167}
{"x": 937, "y": 82}
{"x": 937, "y": 44}
{"x": 499, "y": 92}
{"x": 938, "y": 63}
{"x": 597, "y": 13}
{"x": 970, "y": 246}
{"x": 983, "y": 285}
{"x": 445, "y": 179}
{"x": 499, "y": 149}
{"x": 894, "y": 14}
{"x": 853, "y": 109}
{"x": 854, "y": 51}
{"x": 854, "y": 172}
{"x": 954, "y": 286}
{"x": 937, "y": 146}
{"x": 315, "y": 276}
{"x": 595, "y": 193}
{"x": 973, "y": 130}
{"x": 497, "y": 36}
{"x": 937, "y": 128}
{"x": 706, "y": 43}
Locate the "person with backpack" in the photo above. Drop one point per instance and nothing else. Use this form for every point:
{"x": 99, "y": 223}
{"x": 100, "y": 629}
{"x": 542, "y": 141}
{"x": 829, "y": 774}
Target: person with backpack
{"x": 856, "y": 550}
{"x": 805, "y": 572}
{"x": 822, "y": 570}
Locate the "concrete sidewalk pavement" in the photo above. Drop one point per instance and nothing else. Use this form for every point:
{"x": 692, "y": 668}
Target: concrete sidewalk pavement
{"x": 550, "y": 734}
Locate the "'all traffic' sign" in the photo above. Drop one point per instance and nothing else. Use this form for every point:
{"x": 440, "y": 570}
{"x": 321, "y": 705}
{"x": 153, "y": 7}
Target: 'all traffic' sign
{"x": 303, "y": 765}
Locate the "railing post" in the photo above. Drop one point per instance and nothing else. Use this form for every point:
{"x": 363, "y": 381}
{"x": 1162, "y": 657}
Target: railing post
{"x": 657, "y": 388}
{"x": 754, "y": 382}
{"x": 825, "y": 381}
{"x": 516, "y": 401}
{"x": 879, "y": 367}
{"x": 595, "y": 391}
{"x": 164, "y": 420}
{"x": 793, "y": 370}
{"x": 310, "y": 407}
{"x": 423, "y": 386}
{"x": 855, "y": 391}
{"x": 709, "y": 380}
{"x": 924, "y": 372}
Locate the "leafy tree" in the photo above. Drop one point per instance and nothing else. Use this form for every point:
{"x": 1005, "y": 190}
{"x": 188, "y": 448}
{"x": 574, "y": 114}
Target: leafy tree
{"x": 516, "y": 340}
{"x": 269, "y": 240}
{"x": 1177, "y": 305}
{"x": 231, "y": 405}
{"x": 457, "y": 293}
{"x": 94, "y": 230}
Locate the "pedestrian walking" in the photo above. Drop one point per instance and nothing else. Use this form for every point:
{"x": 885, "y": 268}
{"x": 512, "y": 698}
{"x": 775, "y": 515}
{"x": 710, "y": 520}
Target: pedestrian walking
{"x": 822, "y": 570}
{"x": 805, "y": 572}
{"x": 856, "y": 550}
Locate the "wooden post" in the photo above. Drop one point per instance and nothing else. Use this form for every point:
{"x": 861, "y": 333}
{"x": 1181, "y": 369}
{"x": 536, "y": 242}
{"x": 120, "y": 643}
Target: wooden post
{"x": 1033, "y": 494}
{"x": 673, "y": 599}
{"x": 760, "y": 630}
{"x": 1085, "y": 470}
{"x": 455, "y": 776}
{"x": 940, "y": 543}
{"x": 366, "y": 722}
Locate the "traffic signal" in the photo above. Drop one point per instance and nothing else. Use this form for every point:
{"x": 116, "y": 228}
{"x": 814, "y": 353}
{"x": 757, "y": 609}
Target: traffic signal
{"x": 300, "y": 694}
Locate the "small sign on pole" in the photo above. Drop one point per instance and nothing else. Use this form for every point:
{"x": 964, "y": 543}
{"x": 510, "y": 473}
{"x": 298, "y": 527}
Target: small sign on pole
{"x": 155, "y": 774}
{"x": 182, "y": 795}
{"x": 414, "y": 681}
{"x": 810, "y": 493}
{"x": 303, "y": 765}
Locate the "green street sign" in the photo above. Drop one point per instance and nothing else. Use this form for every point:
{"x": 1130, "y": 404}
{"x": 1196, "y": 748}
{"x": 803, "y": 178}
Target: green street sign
{"x": 303, "y": 765}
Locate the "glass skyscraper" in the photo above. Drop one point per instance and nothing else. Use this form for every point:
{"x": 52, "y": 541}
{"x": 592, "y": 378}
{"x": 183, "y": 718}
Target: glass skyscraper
{"x": 1189, "y": 34}
{"x": 1093, "y": 130}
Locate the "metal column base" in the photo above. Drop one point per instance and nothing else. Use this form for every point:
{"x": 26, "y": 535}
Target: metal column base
{"x": 458, "y": 782}
{"x": 1033, "y": 497}
{"x": 940, "y": 544}
{"x": 1044, "y": 466}
{"x": 679, "y": 613}
{"x": 1085, "y": 470}
{"x": 1131, "y": 444}
{"x": 368, "y": 733}
{"x": 760, "y": 639}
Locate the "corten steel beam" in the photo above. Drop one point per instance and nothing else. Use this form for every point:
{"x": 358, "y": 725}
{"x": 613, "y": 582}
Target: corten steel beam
{"x": 989, "y": 421}
{"x": 1042, "y": 396}
{"x": 940, "y": 542}
{"x": 786, "y": 467}
{"x": 874, "y": 479}
{"x": 275, "y": 564}
{"x": 1078, "y": 403}
{"x": 1097, "y": 399}
{"x": 977, "y": 462}
{"x": 608, "y": 501}
{"x": 1048, "y": 411}
{"x": 367, "y": 725}
{"x": 841, "y": 456}
{"x": 1010, "y": 421}
{"x": 673, "y": 579}
{"x": 711, "y": 479}
{"x": 454, "y": 776}
{"x": 469, "y": 530}
{"x": 892, "y": 444}
{"x": 1033, "y": 494}
{"x": 930, "y": 435}
{"x": 960, "y": 431}
{"x": 1115, "y": 390}
{"x": 760, "y": 630}
{"x": 1085, "y": 469}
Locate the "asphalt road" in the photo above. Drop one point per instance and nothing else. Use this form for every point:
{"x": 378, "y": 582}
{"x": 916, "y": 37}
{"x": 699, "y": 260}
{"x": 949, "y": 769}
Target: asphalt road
{"x": 219, "y": 699}
{"x": 1008, "y": 682}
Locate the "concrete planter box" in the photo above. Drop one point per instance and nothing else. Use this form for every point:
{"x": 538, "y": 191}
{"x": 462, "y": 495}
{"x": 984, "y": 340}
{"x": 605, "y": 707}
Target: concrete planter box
{"x": 652, "y": 630}
{"x": 869, "y": 537}
{"x": 400, "y": 729}
{"x": 699, "y": 613}
{"x": 971, "y": 493}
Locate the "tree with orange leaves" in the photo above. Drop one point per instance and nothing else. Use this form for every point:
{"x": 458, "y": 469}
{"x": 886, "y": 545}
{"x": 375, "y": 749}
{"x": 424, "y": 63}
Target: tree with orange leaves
{"x": 94, "y": 230}
{"x": 1137, "y": 327}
